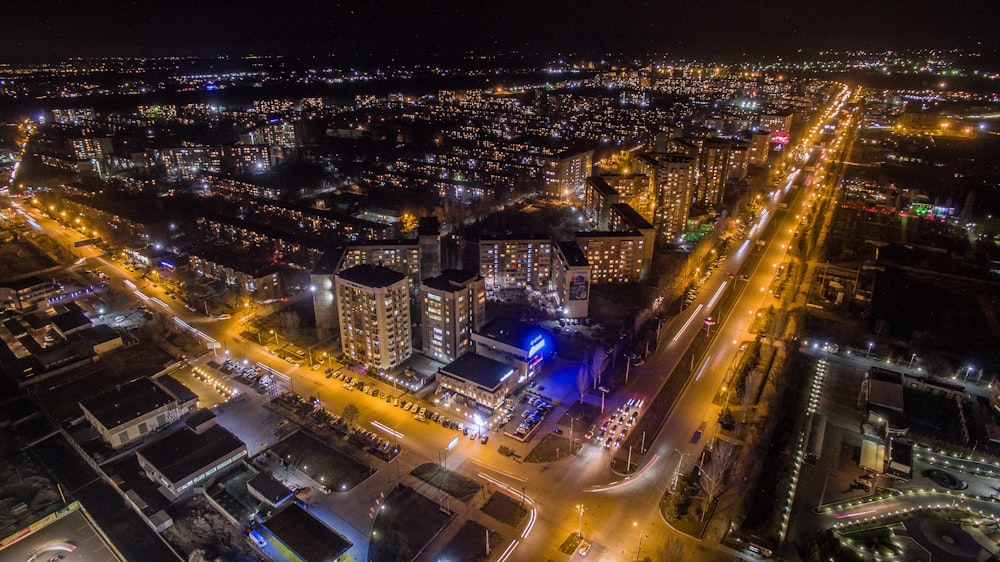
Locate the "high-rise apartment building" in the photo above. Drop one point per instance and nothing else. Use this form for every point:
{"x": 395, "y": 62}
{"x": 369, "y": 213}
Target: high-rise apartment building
{"x": 778, "y": 122}
{"x": 614, "y": 257}
{"x": 759, "y": 146}
{"x": 516, "y": 262}
{"x": 566, "y": 172}
{"x": 713, "y": 171}
{"x": 673, "y": 179}
{"x": 452, "y": 307}
{"x": 373, "y": 305}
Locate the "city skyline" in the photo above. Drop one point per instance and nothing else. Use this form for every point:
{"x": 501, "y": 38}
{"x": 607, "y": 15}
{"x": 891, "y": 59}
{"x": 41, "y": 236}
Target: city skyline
{"x": 426, "y": 32}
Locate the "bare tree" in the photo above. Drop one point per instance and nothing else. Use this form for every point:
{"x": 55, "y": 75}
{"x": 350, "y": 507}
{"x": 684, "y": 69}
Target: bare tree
{"x": 582, "y": 381}
{"x": 713, "y": 476}
{"x": 351, "y": 415}
{"x": 289, "y": 322}
{"x": 750, "y": 384}
{"x": 672, "y": 551}
{"x": 598, "y": 362}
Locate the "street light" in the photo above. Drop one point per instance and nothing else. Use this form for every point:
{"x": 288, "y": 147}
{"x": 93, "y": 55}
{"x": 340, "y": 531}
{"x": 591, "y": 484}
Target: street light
{"x": 912, "y": 357}
{"x": 579, "y": 532}
{"x": 638, "y": 551}
{"x": 870, "y": 345}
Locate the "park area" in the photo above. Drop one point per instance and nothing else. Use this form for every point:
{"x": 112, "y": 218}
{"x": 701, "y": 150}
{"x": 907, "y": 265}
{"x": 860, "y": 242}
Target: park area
{"x": 405, "y": 525}
{"x": 323, "y": 464}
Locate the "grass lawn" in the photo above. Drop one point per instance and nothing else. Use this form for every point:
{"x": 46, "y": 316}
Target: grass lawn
{"x": 571, "y": 543}
{"x": 690, "y": 522}
{"x": 551, "y": 448}
{"x": 407, "y": 523}
{"x": 469, "y": 545}
{"x": 505, "y": 509}
{"x": 323, "y": 464}
{"x": 456, "y": 485}
{"x": 584, "y": 413}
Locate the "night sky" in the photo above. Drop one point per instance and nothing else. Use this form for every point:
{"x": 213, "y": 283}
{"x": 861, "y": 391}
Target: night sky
{"x": 39, "y": 30}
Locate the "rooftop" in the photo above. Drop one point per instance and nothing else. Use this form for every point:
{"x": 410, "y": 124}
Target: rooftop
{"x": 608, "y": 234}
{"x": 126, "y": 402}
{"x": 177, "y": 388}
{"x": 483, "y": 371}
{"x": 516, "y": 236}
{"x": 371, "y": 275}
{"x": 573, "y": 254}
{"x": 269, "y": 487}
{"x": 306, "y": 536}
{"x": 451, "y": 280}
{"x": 601, "y": 185}
{"x": 511, "y": 332}
{"x": 631, "y": 216}
{"x": 70, "y": 320}
{"x": 183, "y": 453}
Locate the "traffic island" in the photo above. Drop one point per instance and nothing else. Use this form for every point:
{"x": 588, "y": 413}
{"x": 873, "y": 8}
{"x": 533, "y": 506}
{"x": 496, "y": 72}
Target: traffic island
{"x": 405, "y": 523}
{"x": 473, "y": 543}
{"x": 683, "y": 508}
{"x": 505, "y": 509}
{"x": 452, "y": 483}
{"x": 551, "y": 448}
{"x": 571, "y": 543}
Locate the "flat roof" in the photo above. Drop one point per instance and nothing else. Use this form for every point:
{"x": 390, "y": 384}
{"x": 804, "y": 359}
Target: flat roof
{"x": 451, "y": 280}
{"x": 181, "y": 392}
{"x": 602, "y": 186}
{"x": 184, "y": 452}
{"x": 328, "y": 262}
{"x": 126, "y": 402}
{"x": 573, "y": 254}
{"x": 269, "y": 487}
{"x": 631, "y": 216}
{"x": 70, "y": 320}
{"x": 100, "y": 333}
{"x": 306, "y": 536}
{"x": 483, "y": 371}
{"x": 516, "y": 237}
{"x": 371, "y": 275}
{"x": 608, "y": 234}
{"x": 885, "y": 388}
{"x": 511, "y": 332}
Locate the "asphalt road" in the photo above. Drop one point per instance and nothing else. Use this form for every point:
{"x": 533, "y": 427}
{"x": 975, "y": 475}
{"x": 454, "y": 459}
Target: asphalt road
{"x": 619, "y": 514}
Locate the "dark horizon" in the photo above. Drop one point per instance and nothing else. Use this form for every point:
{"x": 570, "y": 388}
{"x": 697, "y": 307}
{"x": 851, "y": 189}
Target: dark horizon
{"x": 48, "y": 30}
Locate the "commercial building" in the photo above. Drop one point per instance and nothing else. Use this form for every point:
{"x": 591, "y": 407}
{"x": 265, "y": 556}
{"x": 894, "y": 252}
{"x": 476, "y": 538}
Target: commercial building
{"x": 514, "y": 343}
{"x": 20, "y": 294}
{"x": 129, "y": 412}
{"x": 516, "y": 261}
{"x": 571, "y": 279}
{"x": 186, "y": 458}
{"x": 614, "y": 257}
{"x": 452, "y": 307}
{"x": 479, "y": 379}
{"x": 373, "y": 305}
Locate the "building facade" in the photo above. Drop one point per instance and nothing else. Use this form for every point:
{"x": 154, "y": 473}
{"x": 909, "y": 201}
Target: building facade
{"x": 516, "y": 262}
{"x": 373, "y": 306}
{"x": 614, "y": 257}
{"x": 452, "y": 307}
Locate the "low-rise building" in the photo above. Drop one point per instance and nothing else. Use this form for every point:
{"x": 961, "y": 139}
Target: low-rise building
{"x": 515, "y": 343}
{"x": 187, "y": 459}
{"x": 131, "y": 411}
{"x": 481, "y": 380}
